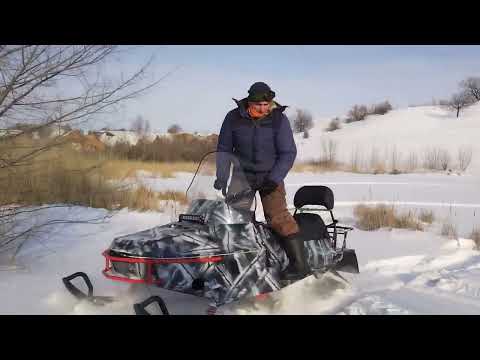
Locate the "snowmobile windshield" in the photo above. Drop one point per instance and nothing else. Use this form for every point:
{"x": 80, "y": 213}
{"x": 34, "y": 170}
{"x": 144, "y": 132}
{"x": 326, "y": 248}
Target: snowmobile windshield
{"x": 231, "y": 202}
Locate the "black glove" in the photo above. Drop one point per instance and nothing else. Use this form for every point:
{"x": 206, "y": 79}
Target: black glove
{"x": 268, "y": 186}
{"x": 220, "y": 185}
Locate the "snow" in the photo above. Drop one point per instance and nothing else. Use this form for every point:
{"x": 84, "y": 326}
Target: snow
{"x": 129, "y": 137}
{"x": 401, "y": 271}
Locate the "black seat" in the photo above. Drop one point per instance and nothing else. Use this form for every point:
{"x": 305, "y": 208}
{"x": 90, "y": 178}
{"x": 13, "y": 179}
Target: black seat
{"x": 311, "y": 226}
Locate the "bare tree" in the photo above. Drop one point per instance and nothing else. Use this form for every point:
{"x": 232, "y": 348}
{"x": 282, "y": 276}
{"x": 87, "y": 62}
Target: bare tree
{"x": 141, "y": 126}
{"x": 303, "y": 121}
{"x": 395, "y": 158}
{"x": 44, "y": 86}
{"x": 431, "y": 158}
{"x": 412, "y": 162}
{"x": 137, "y": 125}
{"x": 34, "y": 80}
{"x": 147, "y": 127}
{"x": 375, "y": 164}
{"x": 355, "y": 159}
{"x": 464, "y": 157}
{"x": 459, "y": 101}
{"x": 444, "y": 159}
{"x": 174, "y": 129}
{"x": 471, "y": 86}
{"x": 329, "y": 148}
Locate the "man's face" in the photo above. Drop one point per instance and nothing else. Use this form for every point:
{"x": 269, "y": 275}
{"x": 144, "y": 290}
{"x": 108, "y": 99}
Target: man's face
{"x": 261, "y": 107}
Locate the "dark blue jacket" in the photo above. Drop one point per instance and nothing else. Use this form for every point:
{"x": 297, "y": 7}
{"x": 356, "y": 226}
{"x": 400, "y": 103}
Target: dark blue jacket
{"x": 265, "y": 147}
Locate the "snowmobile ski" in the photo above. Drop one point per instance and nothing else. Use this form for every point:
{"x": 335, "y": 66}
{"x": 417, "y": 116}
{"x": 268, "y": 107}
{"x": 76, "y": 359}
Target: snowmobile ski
{"x": 348, "y": 263}
{"x": 140, "y": 308}
{"x": 80, "y": 295}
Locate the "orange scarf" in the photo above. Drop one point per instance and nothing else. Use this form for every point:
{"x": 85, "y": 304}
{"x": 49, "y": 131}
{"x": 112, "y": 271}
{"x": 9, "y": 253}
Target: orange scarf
{"x": 255, "y": 114}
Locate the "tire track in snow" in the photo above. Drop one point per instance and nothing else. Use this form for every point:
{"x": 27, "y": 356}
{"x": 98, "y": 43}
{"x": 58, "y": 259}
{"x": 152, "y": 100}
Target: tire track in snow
{"x": 425, "y": 288}
{"x": 424, "y": 301}
{"x": 406, "y": 300}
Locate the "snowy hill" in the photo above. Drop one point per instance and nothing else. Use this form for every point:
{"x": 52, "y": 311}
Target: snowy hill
{"x": 410, "y": 131}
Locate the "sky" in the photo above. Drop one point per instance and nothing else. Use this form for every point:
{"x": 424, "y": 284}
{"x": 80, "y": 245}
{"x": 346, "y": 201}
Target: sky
{"x": 325, "y": 80}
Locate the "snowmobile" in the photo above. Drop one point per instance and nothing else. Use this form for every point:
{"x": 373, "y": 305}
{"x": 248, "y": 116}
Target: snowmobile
{"x": 218, "y": 250}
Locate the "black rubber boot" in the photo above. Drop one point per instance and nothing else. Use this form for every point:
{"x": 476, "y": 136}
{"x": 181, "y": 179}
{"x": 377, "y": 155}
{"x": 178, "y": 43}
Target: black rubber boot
{"x": 298, "y": 267}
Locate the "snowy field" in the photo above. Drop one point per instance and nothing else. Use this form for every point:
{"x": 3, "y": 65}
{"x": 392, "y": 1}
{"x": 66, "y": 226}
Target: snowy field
{"x": 401, "y": 271}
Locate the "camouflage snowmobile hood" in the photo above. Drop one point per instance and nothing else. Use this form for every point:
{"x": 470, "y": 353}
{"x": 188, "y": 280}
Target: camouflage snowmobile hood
{"x": 226, "y": 230}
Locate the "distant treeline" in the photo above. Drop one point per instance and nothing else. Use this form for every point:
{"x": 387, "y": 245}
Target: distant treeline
{"x": 178, "y": 147}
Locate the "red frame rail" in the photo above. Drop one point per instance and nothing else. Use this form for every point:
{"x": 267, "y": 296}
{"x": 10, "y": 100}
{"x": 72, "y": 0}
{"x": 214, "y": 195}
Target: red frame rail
{"x": 149, "y": 263}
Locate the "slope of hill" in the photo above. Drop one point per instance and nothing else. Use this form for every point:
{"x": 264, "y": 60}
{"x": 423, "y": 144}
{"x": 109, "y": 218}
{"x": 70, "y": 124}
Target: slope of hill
{"x": 414, "y": 130}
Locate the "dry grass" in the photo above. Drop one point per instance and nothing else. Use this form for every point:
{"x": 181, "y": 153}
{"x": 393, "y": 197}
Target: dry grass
{"x": 475, "y": 236}
{"x": 122, "y": 169}
{"x": 63, "y": 175}
{"x": 375, "y": 161}
{"x": 326, "y": 161}
{"x": 317, "y": 166}
{"x": 170, "y": 195}
{"x": 449, "y": 230}
{"x": 380, "y": 216}
{"x": 389, "y": 161}
{"x": 144, "y": 199}
{"x": 427, "y": 216}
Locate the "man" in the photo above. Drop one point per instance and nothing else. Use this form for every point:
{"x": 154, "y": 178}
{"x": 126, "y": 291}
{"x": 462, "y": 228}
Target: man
{"x": 258, "y": 133}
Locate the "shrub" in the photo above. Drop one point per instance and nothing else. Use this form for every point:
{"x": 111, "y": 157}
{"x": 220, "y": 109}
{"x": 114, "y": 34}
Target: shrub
{"x": 381, "y": 108}
{"x": 357, "y": 113}
{"x": 334, "y": 125}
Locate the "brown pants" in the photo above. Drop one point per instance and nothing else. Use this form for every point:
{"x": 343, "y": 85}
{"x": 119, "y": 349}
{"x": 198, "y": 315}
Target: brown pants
{"x": 276, "y": 212}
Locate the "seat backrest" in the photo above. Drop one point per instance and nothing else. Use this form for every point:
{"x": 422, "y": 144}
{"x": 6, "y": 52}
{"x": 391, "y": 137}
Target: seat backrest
{"x": 314, "y": 195}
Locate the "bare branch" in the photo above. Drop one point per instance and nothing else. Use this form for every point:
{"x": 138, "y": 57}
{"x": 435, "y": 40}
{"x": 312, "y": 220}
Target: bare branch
{"x": 6, "y": 53}
{"x": 94, "y": 221}
{"x": 472, "y": 86}
{"x": 46, "y": 85}
{"x": 14, "y": 211}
